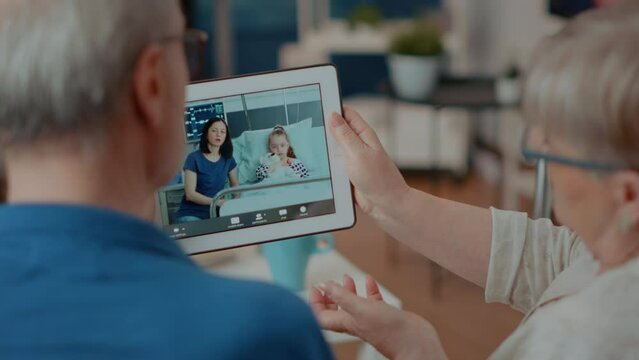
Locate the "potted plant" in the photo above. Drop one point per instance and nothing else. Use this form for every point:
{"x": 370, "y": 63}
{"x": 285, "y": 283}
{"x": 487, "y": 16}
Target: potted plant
{"x": 414, "y": 61}
{"x": 368, "y": 15}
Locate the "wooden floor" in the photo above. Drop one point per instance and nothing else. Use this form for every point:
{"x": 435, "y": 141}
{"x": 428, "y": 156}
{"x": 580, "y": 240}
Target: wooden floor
{"x": 468, "y": 327}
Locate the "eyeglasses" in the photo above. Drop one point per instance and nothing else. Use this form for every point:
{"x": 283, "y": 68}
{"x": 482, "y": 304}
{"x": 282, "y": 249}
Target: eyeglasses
{"x": 533, "y": 143}
{"x": 194, "y": 45}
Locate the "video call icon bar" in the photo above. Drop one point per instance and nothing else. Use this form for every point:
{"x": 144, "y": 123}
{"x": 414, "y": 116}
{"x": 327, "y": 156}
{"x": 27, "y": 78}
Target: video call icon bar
{"x": 262, "y": 217}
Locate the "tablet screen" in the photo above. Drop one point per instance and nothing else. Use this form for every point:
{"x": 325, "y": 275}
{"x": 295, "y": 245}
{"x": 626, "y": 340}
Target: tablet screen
{"x": 252, "y": 159}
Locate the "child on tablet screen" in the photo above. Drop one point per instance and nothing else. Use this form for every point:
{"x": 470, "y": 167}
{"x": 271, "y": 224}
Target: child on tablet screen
{"x": 281, "y": 162}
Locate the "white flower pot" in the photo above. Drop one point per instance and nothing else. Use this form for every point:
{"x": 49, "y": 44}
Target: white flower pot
{"x": 413, "y": 77}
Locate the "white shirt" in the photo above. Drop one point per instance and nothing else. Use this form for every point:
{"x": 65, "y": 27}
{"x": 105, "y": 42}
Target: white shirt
{"x": 571, "y": 312}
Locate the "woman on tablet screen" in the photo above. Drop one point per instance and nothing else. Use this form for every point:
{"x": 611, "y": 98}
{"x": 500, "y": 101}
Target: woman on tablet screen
{"x": 578, "y": 284}
{"x": 206, "y": 171}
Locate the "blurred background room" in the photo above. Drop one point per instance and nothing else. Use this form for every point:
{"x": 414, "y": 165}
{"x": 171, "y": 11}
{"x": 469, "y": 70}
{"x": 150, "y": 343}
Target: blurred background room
{"x": 439, "y": 81}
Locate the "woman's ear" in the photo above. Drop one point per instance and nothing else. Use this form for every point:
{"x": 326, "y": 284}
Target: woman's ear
{"x": 626, "y": 186}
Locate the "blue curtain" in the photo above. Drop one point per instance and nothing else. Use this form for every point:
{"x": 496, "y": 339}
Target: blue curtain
{"x": 389, "y": 8}
{"x": 260, "y": 28}
{"x": 199, "y": 14}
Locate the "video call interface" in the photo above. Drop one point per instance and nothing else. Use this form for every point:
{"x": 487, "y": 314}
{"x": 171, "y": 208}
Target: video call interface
{"x": 251, "y": 160}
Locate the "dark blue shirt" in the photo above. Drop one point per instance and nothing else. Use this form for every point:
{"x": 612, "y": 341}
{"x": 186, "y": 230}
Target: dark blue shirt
{"x": 211, "y": 178}
{"x": 87, "y": 283}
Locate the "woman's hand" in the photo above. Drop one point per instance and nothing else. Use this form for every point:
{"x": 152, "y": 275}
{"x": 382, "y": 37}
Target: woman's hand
{"x": 234, "y": 181}
{"x": 395, "y": 333}
{"x": 220, "y": 202}
{"x": 376, "y": 179}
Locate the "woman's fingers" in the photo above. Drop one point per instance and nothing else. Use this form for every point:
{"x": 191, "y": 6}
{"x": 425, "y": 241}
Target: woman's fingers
{"x": 353, "y": 132}
{"x": 375, "y": 177}
{"x": 317, "y": 300}
{"x": 327, "y": 314}
{"x": 360, "y": 127}
{"x": 335, "y": 320}
{"x": 349, "y": 284}
{"x": 337, "y": 307}
{"x": 345, "y": 299}
{"x": 372, "y": 289}
{"x": 345, "y": 136}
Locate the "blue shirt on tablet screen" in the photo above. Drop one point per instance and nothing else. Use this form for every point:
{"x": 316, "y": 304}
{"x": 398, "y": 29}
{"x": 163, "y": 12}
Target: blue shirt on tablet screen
{"x": 211, "y": 178}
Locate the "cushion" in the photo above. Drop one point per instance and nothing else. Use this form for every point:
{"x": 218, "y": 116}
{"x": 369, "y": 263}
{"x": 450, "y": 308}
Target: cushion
{"x": 310, "y": 148}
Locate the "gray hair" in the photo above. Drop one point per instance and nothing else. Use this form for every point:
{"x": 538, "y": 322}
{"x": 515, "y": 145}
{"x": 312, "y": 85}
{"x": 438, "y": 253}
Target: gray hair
{"x": 65, "y": 64}
{"x": 584, "y": 84}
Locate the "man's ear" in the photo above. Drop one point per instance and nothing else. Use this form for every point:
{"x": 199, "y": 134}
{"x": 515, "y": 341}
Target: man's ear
{"x": 626, "y": 186}
{"x": 148, "y": 86}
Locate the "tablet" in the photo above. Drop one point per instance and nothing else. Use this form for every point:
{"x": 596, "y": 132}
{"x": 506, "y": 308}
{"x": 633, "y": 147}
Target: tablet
{"x": 260, "y": 162}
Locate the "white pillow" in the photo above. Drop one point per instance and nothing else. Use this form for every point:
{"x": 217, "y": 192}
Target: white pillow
{"x": 238, "y": 148}
{"x": 310, "y": 148}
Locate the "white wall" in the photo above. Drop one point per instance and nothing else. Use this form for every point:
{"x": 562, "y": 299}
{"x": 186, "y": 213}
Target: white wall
{"x": 289, "y": 96}
{"x": 267, "y": 99}
{"x": 493, "y": 33}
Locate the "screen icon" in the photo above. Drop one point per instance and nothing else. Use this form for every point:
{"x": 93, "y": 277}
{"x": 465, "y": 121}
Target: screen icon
{"x": 283, "y": 212}
{"x": 259, "y": 217}
{"x": 303, "y": 209}
{"x": 235, "y": 220}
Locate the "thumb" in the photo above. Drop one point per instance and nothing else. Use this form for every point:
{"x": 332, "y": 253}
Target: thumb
{"x": 344, "y": 134}
{"x": 346, "y": 300}
{"x": 361, "y": 128}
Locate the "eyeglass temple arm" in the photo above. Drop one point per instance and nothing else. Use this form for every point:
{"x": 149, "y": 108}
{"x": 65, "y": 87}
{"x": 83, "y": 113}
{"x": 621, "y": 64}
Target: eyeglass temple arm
{"x": 543, "y": 202}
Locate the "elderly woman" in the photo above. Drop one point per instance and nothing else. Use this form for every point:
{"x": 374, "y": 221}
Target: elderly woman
{"x": 578, "y": 285}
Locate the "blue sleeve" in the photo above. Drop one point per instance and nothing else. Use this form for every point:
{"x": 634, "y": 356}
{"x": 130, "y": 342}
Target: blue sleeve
{"x": 293, "y": 332}
{"x": 312, "y": 346}
{"x": 238, "y": 319}
{"x": 190, "y": 163}
{"x": 233, "y": 164}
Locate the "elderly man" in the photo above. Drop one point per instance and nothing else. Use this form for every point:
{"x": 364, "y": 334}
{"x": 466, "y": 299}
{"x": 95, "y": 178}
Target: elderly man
{"x": 91, "y": 97}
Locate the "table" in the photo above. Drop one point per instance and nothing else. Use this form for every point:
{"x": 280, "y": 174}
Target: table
{"x": 330, "y": 266}
{"x": 469, "y": 93}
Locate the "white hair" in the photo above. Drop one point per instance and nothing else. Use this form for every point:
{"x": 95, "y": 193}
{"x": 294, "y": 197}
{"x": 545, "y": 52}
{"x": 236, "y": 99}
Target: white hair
{"x": 65, "y": 64}
{"x": 584, "y": 84}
